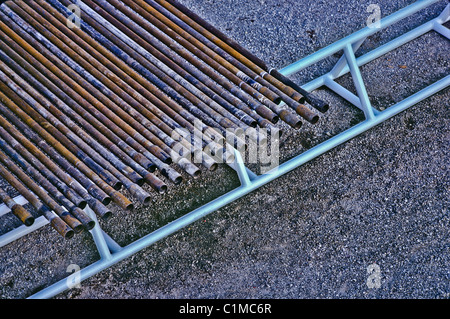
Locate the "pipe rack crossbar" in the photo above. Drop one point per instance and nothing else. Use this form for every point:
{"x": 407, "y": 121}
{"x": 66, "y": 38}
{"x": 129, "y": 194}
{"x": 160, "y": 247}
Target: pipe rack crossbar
{"x": 111, "y": 252}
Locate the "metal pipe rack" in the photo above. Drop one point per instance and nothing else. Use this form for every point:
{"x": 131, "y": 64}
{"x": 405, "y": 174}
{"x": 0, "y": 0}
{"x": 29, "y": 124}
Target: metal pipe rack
{"x": 112, "y": 253}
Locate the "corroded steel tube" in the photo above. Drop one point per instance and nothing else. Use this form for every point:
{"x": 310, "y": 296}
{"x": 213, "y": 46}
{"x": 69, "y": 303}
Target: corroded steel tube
{"x": 203, "y": 68}
{"x": 238, "y": 52}
{"x": 203, "y": 50}
{"x": 313, "y": 100}
{"x": 267, "y": 94}
{"x": 70, "y": 79}
{"x": 72, "y": 142}
{"x": 227, "y": 52}
{"x": 75, "y": 71}
{"x": 111, "y": 145}
{"x": 181, "y": 28}
{"x": 26, "y": 166}
{"x": 55, "y": 221}
{"x": 160, "y": 79}
{"x": 107, "y": 124}
{"x": 73, "y": 223}
{"x": 247, "y": 73}
{"x": 60, "y": 179}
{"x": 183, "y": 118}
{"x": 59, "y": 199}
{"x": 209, "y": 134}
{"x": 80, "y": 89}
{"x": 55, "y": 127}
{"x": 87, "y": 184}
{"x": 54, "y": 137}
{"x": 191, "y": 52}
{"x": 217, "y": 33}
{"x": 65, "y": 158}
{"x": 129, "y": 139}
{"x": 129, "y": 28}
{"x": 157, "y": 127}
{"x": 166, "y": 109}
{"x": 18, "y": 210}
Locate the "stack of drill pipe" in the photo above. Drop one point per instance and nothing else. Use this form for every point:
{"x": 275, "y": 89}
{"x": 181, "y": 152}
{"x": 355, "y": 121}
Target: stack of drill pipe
{"x": 88, "y": 110}
{"x": 241, "y": 54}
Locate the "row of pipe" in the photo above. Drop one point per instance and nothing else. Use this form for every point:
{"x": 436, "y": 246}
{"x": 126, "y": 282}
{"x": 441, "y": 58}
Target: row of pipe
{"x": 114, "y": 102}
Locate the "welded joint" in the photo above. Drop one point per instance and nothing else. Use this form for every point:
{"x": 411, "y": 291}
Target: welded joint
{"x": 442, "y": 30}
{"x": 98, "y": 235}
{"x": 445, "y": 15}
{"x": 240, "y": 168}
{"x": 342, "y": 62}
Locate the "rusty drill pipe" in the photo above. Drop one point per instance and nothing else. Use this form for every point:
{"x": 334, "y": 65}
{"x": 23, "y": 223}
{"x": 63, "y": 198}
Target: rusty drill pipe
{"x": 49, "y": 133}
{"x": 123, "y": 30}
{"x": 71, "y": 195}
{"x": 13, "y": 60}
{"x": 242, "y": 71}
{"x": 18, "y": 210}
{"x": 214, "y": 110}
{"x": 128, "y": 27}
{"x": 55, "y": 221}
{"x": 128, "y": 98}
{"x": 95, "y": 87}
{"x": 160, "y": 31}
{"x": 129, "y": 55}
{"x": 52, "y": 98}
{"x": 121, "y": 200}
{"x": 103, "y": 99}
{"x": 112, "y": 145}
{"x": 71, "y": 221}
{"x": 173, "y": 175}
{"x": 235, "y": 45}
{"x": 65, "y": 157}
{"x": 313, "y": 100}
{"x": 201, "y": 23}
{"x": 76, "y": 56}
{"x": 88, "y": 187}
{"x": 182, "y": 29}
{"x": 59, "y": 178}
{"x": 169, "y": 116}
{"x": 191, "y": 118}
{"x": 165, "y": 83}
{"x": 166, "y": 170}
{"x": 285, "y": 114}
{"x": 63, "y": 76}
{"x": 108, "y": 177}
{"x": 167, "y": 105}
{"x": 227, "y": 52}
{"x": 201, "y": 71}
{"x": 30, "y": 96}
{"x": 197, "y": 112}
{"x": 134, "y": 189}
{"x": 76, "y": 213}
{"x": 104, "y": 4}
{"x": 131, "y": 174}
{"x": 62, "y": 86}
{"x": 247, "y": 84}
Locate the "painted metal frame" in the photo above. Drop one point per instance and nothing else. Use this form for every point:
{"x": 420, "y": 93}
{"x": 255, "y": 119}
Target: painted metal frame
{"x": 111, "y": 252}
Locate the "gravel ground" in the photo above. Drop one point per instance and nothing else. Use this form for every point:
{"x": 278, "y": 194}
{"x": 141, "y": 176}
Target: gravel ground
{"x": 381, "y": 198}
